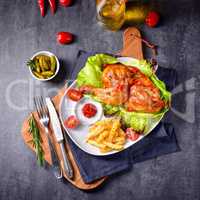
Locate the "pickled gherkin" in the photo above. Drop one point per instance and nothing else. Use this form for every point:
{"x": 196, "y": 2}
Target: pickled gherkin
{"x": 38, "y": 69}
{"x": 43, "y": 66}
{"x": 38, "y": 75}
{"x": 44, "y": 63}
{"x": 47, "y": 73}
{"x": 53, "y": 63}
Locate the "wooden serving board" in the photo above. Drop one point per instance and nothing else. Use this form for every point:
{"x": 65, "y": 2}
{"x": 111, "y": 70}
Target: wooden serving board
{"x": 132, "y": 47}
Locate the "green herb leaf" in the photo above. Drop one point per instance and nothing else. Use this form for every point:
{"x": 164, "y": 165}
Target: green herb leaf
{"x": 34, "y": 131}
{"x": 31, "y": 63}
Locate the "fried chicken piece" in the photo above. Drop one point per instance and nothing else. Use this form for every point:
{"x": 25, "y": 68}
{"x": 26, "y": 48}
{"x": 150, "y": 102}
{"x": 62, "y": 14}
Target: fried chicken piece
{"x": 144, "y": 99}
{"x": 127, "y": 86}
{"x": 113, "y": 96}
{"x": 115, "y": 85}
{"x": 115, "y": 74}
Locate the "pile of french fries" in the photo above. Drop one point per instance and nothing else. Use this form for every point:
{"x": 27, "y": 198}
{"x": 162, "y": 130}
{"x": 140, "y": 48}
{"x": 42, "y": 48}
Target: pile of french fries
{"x": 107, "y": 135}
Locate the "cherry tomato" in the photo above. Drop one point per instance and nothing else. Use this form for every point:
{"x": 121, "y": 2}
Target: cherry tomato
{"x": 131, "y": 134}
{"x": 74, "y": 94}
{"x": 64, "y": 37}
{"x": 65, "y": 3}
{"x": 152, "y": 19}
{"x": 89, "y": 110}
{"x": 71, "y": 122}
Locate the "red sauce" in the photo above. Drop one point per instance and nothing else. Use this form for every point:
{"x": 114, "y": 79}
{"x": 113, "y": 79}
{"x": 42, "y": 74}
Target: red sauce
{"x": 89, "y": 110}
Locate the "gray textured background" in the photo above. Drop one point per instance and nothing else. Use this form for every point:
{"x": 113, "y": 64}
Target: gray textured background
{"x": 23, "y": 31}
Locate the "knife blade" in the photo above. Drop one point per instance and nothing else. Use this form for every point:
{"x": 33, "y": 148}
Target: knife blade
{"x": 59, "y": 137}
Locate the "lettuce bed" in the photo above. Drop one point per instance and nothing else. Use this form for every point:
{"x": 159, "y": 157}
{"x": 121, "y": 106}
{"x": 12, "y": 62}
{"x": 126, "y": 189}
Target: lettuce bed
{"x": 143, "y": 122}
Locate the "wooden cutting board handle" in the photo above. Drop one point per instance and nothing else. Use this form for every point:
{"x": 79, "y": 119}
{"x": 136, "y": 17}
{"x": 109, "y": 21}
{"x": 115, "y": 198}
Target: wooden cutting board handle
{"x": 132, "y": 47}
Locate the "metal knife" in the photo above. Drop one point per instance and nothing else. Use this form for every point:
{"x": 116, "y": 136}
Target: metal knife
{"x": 59, "y": 137}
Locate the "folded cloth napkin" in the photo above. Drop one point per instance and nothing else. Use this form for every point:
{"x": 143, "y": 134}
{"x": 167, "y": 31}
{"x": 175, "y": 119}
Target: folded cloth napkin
{"x": 162, "y": 139}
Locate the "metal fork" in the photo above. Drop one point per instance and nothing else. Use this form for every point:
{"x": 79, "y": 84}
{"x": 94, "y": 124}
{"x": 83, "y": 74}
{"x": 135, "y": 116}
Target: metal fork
{"x": 43, "y": 114}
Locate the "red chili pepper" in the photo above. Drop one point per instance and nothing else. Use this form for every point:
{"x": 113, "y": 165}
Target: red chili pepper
{"x": 42, "y": 7}
{"x": 52, "y": 6}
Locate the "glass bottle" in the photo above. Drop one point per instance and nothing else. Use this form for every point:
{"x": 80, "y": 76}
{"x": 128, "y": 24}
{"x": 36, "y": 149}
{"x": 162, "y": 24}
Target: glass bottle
{"x": 111, "y": 13}
{"x": 136, "y": 12}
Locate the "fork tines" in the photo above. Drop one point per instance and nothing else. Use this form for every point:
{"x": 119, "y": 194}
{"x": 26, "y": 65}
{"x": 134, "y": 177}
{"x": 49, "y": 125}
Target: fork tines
{"x": 40, "y": 106}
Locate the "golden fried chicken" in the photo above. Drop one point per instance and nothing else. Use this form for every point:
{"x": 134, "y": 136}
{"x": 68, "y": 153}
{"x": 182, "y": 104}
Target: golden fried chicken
{"x": 144, "y": 96}
{"x": 127, "y": 86}
{"x": 113, "y": 96}
{"x": 115, "y": 74}
{"x": 144, "y": 99}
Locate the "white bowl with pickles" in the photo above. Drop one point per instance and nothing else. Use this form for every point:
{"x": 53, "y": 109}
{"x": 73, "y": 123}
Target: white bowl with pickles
{"x": 43, "y": 66}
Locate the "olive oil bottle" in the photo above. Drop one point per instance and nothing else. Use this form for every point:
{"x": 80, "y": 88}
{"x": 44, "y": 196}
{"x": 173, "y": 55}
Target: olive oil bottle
{"x": 111, "y": 13}
{"x": 136, "y": 12}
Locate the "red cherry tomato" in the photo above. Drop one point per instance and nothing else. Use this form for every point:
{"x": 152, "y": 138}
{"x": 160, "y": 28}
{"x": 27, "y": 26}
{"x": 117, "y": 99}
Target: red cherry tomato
{"x": 74, "y": 94}
{"x": 65, "y": 3}
{"x": 71, "y": 122}
{"x": 131, "y": 134}
{"x": 152, "y": 19}
{"x": 89, "y": 110}
{"x": 64, "y": 37}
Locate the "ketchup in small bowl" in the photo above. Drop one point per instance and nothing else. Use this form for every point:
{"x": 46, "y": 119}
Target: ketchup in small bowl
{"x": 89, "y": 110}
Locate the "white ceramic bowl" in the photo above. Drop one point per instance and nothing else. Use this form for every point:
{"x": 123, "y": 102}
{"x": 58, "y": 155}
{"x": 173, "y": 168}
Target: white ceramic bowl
{"x": 79, "y": 114}
{"x": 47, "y": 53}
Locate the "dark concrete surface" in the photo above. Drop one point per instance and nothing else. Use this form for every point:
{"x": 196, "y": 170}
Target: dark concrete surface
{"x": 23, "y": 32}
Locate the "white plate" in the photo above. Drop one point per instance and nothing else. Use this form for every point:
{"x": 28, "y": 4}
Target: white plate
{"x": 78, "y": 135}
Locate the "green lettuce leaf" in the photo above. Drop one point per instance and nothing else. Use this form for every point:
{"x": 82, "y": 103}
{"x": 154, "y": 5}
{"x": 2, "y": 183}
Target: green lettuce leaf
{"x": 141, "y": 122}
{"x": 110, "y": 110}
{"x": 166, "y": 95}
{"x": 143, "y": 65}
{"x": 92, "y": 71}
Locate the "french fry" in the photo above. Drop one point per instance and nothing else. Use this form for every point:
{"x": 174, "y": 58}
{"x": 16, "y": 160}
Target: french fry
{"x": 120, "y": 140}
{"x": 95, "y": 132}
{"x": 107, "y": 135}
{"x": 115, "y": 126}
{"x": 102, "y": 146}
{"x": 102, "y": 136}
{"x": 105, "y": 150}
{"x": 114, "y": 146}
{"x": 122, "y": 133}
{"x": 104, "y": 122}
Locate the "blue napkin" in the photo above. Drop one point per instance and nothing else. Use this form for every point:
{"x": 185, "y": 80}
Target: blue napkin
{"x": 162, "y": 139}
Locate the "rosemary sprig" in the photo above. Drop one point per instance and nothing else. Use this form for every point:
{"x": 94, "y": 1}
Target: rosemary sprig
{"x": 34, "y": 131}
{"x": 31, "y": 63}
